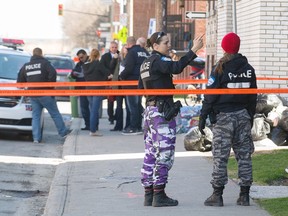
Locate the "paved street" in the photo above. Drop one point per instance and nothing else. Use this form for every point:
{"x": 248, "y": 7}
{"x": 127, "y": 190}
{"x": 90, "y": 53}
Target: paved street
{"x": 101, "y": 176}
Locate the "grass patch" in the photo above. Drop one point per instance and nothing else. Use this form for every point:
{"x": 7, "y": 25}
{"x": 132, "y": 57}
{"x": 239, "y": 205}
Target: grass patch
{"x": 268, "y": 167}
{"x": 275, "y": 207}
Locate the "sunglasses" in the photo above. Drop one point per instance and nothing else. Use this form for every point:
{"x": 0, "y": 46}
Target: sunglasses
{"x": 160, "y": 34}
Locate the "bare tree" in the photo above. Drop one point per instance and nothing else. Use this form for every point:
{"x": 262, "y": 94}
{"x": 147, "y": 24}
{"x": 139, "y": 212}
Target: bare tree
{"x": 81, "y": 20}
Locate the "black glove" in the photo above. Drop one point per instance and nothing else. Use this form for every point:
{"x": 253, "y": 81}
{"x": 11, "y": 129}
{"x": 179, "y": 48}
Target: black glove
{"x": 202, "y": 123}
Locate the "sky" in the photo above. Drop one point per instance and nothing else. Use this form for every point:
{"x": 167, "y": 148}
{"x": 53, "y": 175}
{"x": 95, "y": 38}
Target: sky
{"x": 35, "y": 19}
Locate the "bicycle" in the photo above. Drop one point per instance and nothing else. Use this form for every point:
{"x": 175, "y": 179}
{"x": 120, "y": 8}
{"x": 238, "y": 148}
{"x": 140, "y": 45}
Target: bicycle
{"x": 198, "y": 69}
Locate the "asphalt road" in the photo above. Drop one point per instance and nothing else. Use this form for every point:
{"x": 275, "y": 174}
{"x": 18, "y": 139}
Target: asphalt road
{"x": 27, "y": 169}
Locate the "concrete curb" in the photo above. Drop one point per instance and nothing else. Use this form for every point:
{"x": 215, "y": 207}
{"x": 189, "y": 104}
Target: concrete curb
{"x": 59, "y": 187}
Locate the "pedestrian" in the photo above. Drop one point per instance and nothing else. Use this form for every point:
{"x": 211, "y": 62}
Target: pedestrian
{"x": 94, "y": 71}
{"x": 39, "y": 69}
{"x": 142, "y": 42}
{"x": 77, "y": 74}
{"x": 134, "y": 58}
{"x": 232, "y": 119}
{"x": 159, "y": 122}
{"x": 118, "y": 63}
{"x": 106, "y": 60}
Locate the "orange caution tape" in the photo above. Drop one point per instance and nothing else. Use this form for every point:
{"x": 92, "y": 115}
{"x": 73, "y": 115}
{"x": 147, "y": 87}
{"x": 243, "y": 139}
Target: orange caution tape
{"x": 111, "y": 92}
{"x": 7, "y": 91}
{"x": 109, "y": 83}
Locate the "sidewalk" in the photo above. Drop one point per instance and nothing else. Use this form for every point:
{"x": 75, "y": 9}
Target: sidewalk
{"x": 101, "y": 176}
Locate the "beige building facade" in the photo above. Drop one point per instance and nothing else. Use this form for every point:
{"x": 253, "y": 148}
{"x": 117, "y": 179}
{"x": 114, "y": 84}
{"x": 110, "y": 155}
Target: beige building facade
{"x": 263, "y": 28}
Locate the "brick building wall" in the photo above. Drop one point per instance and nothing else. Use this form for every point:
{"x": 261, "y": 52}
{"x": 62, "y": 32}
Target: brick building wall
{"x": 142, "y": 12}
{"x": 263, "y": 28}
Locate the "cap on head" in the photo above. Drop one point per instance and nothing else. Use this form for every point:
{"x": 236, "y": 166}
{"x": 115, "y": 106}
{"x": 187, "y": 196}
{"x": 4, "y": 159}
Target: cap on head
{"x": 231, "y": 43}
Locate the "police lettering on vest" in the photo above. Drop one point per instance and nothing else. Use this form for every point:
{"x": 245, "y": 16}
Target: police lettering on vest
{"x": 33, "y": 66}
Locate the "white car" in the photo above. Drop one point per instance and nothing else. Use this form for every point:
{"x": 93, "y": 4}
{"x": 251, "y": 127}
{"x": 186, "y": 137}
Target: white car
{"x": 15, "y": 111}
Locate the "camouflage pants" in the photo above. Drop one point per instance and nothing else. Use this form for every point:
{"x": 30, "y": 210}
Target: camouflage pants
{"x": 232, "y": 130}
{"x": 159, "y": 138}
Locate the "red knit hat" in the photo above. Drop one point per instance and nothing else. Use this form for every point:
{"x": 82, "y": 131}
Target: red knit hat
{"x": 231, "y": 43}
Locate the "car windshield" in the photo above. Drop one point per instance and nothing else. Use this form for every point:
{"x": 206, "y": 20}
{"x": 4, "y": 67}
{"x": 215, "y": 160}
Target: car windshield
{"x": 11, "y": 64}
{"x": 61, "y": 63}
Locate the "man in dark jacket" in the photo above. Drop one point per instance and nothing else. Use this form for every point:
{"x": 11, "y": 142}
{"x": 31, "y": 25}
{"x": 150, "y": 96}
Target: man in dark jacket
{"x": 78, "y": 75}
{"x": 106, "y": 60}
{"x": 135, "y": 57}
{"x": 39, "y": 69}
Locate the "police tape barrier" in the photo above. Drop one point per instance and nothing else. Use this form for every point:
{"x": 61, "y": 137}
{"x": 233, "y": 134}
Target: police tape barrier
{"x": 124, "y": 92}
{"x": 111, "y": 83}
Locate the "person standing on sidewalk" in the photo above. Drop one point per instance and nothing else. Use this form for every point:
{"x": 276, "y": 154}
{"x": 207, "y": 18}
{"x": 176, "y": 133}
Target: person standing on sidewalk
{"x": 94, "y": 71}
{"x": 117, "y": 64}
{"x": 39, "y": 69}
{"x": 106, "y": 61}
{"x": 136, "y": 55}
{"x": 77, "y": 74}
{"x": 159, "y": 122}
{"x": 232, "y": 116}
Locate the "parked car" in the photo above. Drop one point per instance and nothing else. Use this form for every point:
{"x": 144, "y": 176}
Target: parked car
{"x": 15, "y": 111}
{"x": 63, "y": 65}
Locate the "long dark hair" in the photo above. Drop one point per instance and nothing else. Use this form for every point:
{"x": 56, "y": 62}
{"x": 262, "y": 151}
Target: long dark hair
{"x": 156, "y": 37}
{"x": 226, "y": 57}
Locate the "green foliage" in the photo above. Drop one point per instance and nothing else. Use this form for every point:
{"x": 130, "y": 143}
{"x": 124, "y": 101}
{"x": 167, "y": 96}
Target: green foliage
{"x": 268, "y": 167}
{"x": 276, "y": 207}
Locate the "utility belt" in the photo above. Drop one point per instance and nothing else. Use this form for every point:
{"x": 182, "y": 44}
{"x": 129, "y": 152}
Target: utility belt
{"x": 167, "y": 107}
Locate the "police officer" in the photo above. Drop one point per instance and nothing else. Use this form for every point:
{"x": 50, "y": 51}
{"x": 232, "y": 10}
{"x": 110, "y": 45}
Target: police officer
{"x": 39, "y": 69}
{"x": 159, "y": 123}
{"x": 232, "y": 116}
{"x": 134, "y": 58}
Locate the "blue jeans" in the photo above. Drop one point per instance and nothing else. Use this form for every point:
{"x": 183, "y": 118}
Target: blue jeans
{"x": 136, "y": 110}
{"x": 85, "y": 111}
{"x": 94, "y": 105}
{"x": 49, "y": 103}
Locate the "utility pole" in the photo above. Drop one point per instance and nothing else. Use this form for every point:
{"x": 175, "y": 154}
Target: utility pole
{"x": 234, "y": 17}
{"x": 161, "y": 15}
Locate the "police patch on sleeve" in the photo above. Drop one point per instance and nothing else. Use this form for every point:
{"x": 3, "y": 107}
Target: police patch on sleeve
{"x": 211, "y": 80}
{"x": 164, "y": 58}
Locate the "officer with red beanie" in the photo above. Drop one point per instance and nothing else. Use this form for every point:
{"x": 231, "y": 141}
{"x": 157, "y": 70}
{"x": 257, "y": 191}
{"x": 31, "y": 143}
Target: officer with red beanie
{"x": 232, "y": 118}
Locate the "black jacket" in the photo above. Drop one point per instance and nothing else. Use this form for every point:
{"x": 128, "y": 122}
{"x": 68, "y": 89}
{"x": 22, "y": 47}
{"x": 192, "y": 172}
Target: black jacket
{"x": 95, "y": 71}
{"x": 160, "y": 69}
{"x": 38, "y": 69}
{"x": 237, "y": 73}
{"x": 134, "y": 58}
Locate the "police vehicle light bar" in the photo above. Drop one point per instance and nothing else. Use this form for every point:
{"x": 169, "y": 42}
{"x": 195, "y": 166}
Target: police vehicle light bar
{"x": 9, "y": 41}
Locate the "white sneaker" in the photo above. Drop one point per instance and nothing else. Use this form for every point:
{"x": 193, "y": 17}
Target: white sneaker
{"x": 95, "y": 134}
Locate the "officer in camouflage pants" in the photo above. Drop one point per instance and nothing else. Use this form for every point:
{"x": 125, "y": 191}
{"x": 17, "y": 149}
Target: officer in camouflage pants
{"x": 160, "y": 138}
{"x": 156, "y": 72}
{"x": 226, "y": 136}
{"x": 232, "y": 116}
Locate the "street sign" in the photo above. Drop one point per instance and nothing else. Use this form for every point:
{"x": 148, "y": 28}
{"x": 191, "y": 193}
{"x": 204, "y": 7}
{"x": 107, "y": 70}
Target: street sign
{"x": 195, "y": 15}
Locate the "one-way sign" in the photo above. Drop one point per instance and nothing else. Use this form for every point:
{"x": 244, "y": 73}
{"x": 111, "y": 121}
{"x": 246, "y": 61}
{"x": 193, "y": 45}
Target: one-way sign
{"x": 195, "y": 15}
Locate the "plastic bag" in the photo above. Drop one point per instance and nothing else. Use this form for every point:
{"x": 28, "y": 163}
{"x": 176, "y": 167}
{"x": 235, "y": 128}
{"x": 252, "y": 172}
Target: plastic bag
{"x": 260, "y": 127}
{"x": 195, "y": 141}
{"x": 283, "y": 122}
{"x": 278, "y": 136}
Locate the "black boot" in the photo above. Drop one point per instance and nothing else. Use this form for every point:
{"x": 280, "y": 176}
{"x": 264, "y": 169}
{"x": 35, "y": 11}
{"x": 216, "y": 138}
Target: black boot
{"x": 148, "y": 197}
{"x": 160, "y": 198}
{"x": 216, "y": 198}
{"x": 244, "y": 199}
